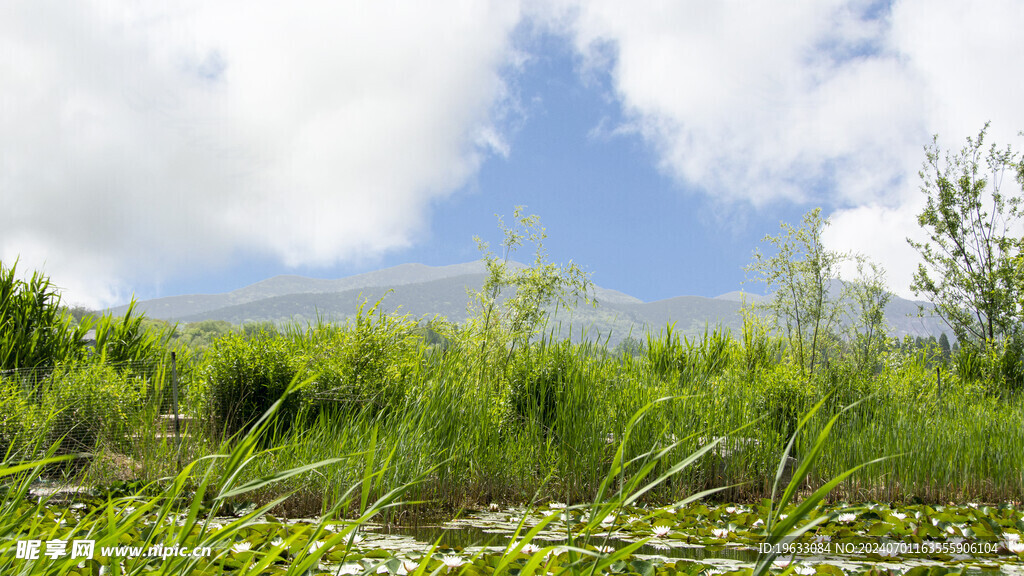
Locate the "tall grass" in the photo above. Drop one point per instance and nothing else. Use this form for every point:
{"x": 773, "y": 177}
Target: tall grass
{"x": 553, "y": 414}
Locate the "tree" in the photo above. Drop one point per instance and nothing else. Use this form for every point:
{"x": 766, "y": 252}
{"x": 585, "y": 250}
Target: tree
{"x": 944, "y": 346}
{"x": 970, "y": 272}
{"x": 800, "y": 275}
{"x": 869, "y": 297}
{"x": 514, "y": 300}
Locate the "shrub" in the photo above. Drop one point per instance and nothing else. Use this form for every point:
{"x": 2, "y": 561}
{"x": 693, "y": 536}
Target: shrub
{"x": 241, "y": 379}
{"x": 364, "y": 365}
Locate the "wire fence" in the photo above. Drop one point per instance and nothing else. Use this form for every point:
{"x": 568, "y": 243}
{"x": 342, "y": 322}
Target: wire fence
{"x": 80, "y": 407}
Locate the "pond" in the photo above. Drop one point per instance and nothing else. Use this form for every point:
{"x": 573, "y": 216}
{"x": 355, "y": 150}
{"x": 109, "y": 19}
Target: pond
{"x": 854, "y": 539}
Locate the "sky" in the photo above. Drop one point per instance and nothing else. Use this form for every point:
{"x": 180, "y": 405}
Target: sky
{"x": 153, "y": 149}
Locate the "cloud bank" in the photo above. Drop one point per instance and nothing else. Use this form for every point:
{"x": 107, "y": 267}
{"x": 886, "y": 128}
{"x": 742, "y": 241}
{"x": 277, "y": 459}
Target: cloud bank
{"x": 821, "y": 102}
{"x": 139, "y": 138}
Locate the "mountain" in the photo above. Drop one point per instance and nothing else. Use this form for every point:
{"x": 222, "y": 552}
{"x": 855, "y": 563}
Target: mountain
{"x": 425, "y": 291}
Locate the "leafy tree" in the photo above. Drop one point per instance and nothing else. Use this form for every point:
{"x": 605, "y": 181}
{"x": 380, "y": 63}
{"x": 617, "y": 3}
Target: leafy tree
{"x": 869, "y": 297}
{"x": 800, "y": 275}
{"x": 944, "y": 346}
{"x": 514, "y": 300}
{"x": 629, "y": 346}
{"x": 970, "y": 269}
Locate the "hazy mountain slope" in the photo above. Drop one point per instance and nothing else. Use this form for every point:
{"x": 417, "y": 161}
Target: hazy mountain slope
{"x": 425, "y": 291}
{"x": 446, "y": 297}
{"x": 189, "y": 306}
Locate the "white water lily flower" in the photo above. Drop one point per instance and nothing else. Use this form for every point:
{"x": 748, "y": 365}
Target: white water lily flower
{"x": 606, "y": 549}
{"x": 783, "y": 516}
{"x": 452, "y": 561}
{"x": 1015, "y": 546}
{"x": 494, "y": 507}
{"x": 314, "y": 546}
{"x": 382, "y": 568}
{"x": 608, "y": 520}
{"x": 659, "y": 546}
{"x": 720, "y": 532}
{"x": 899, "y": 515}
{"x": 757, "y": 523}
{"x": 1010, "y": 536}
{"x": 356, "y": 539}
{"x": 935, "y": 521}
{"x": 730, "y": 510}
{"x": 822, "y": 538}
{"x": 661, "y": 531}
{"x": 528, "y": 548}
{"x": 804, "y": 570}
{"x": 242, "y": 546}
{"x": 277, "y": 542}
{"x": 846, "y": 517}
{"x": 955, "y": 540}
{"x": 557, "y": 505}
{"x": 781, "y": 563}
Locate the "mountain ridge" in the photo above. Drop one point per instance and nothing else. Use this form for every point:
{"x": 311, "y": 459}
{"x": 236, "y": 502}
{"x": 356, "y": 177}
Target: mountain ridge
{"x": 424, "y": 291}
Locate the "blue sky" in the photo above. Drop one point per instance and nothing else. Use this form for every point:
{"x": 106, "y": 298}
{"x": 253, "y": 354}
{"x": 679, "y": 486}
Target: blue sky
{"x": 156, "y": 150}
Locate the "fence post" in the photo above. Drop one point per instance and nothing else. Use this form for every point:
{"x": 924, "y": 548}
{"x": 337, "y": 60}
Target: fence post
{"x": 174, "y": 406}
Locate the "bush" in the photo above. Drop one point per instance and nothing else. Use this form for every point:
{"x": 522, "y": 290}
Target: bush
{"x": 241, "y": 379}
{"x": 365, "y": 365}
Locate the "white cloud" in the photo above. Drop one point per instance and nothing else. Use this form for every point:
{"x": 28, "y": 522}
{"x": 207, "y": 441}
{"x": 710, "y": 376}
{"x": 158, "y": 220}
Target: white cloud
{"x": 816, "y": 102}
{"x": 137, "y": 139}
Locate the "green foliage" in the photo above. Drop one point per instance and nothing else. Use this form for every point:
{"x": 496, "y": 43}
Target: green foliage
{"x": 513, "y": 303}
{"x": 35, "y": 331}
{"x": 800, "y": 275}
{"x": 629, "y": 346}
{"x": 782, "y": 397}
{"x": 760, "y": 348}
{"x": 365, "y": 364}
{"x": 869, "y": 297}
{"x": 970, "y": 268}
{"x": 538, "y": 379}
{"x": 125, "y": 340}
{"x": 200, "y": 335}
{"x": 20, "y": 417}
{"x": 687, "y": 360}
{"x": 90, "y": 404}
{"x": 242, "y": 378}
